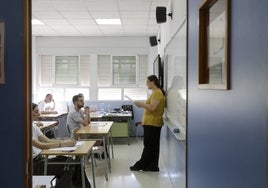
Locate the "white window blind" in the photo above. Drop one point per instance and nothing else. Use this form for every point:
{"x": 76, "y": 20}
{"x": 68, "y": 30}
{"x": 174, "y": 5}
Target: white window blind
{"x": 46, "y": 70}
{"x": 142, "y": 78}
{"x": 85, "y": 70}
{"x": 70, "y": 92}
{"x": 124, "y": 70}
{"x": 66, "y": 70}
{"x": 135, "y": 93}
{"x": 109, "y": 94}
{"x": 104, "y": 70}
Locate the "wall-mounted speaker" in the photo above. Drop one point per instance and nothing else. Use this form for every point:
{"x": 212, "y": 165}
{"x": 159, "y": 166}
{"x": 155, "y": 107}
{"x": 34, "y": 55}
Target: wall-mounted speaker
{"x": 153, "y": 40}
{"x": 161, "y": 14}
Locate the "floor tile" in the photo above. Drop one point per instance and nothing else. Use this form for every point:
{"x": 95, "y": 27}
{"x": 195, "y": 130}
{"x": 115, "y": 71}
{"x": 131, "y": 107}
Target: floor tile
{"x": 120, "y": 176}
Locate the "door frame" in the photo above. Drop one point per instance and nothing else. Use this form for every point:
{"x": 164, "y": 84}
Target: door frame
{"x": 27, "y": 93}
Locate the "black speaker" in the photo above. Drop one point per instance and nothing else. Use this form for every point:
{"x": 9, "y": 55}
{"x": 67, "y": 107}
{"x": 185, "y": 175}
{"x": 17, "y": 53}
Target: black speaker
{"x": 161, "y": 14}
{"x": 153, "y": 40}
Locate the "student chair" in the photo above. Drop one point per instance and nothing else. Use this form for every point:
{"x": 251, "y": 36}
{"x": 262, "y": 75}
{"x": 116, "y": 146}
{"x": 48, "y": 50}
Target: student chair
{"x": 98, "y": 151}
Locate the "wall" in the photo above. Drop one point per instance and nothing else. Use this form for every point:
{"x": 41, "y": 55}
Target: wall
{"x": 173, "y": 151}
{"x": 11, "y": 97}
{"x": 92, "y": 46}
{"x": 227, "y": 130}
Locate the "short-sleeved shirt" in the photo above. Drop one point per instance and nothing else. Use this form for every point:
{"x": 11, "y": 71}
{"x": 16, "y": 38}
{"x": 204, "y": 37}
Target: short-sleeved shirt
{"x": 73, "y": 119}
{"x": 154, "y": 118}
{"x": 36, "y": 132}
{"x": 43, "y": 106}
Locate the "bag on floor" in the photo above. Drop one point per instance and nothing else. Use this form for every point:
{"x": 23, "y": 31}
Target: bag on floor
{"x": 63, "y": 179}
{"x": 77, "y": 177}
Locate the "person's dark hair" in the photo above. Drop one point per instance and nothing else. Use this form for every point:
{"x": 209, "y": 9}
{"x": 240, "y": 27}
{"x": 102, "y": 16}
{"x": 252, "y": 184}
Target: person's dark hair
{"x": 34, "y": 105}
{"x": 75, "y": 97}
{"x": 153, "y": 78}
{"x": 49, "y": 94}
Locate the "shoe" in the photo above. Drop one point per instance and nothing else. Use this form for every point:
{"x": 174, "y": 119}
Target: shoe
{"x": 134, "y": 168}
{"x": 152, "y": 169}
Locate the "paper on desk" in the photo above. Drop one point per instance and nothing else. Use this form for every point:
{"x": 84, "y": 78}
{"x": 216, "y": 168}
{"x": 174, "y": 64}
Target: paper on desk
{"x": 64, "y": 149}
{"x": 79, "y": 143}
{"x": 98, "y": 123}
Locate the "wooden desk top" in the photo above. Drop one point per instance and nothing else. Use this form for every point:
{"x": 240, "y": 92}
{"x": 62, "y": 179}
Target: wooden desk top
{"x": 46, "y": 124}
{"x": 126, "y": 114}
{"x": 80, "y": 150}
{"x": 53, "y": 115}
{"x": 95, "y": 128}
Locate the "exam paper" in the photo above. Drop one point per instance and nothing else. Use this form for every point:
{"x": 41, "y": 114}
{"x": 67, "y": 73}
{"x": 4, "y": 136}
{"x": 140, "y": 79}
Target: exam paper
{"x": 64, "y": 148}
{"x": 78, "y": 143}
{"x": 98, "y": 124}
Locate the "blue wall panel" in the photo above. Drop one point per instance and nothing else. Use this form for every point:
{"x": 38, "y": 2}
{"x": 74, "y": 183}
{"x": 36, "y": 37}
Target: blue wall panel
{"x": 227, "y": 130}
{"x": 11, "y": 97}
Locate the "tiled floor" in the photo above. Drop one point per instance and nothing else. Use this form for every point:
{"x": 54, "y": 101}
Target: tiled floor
{"x": 120, "y": 176}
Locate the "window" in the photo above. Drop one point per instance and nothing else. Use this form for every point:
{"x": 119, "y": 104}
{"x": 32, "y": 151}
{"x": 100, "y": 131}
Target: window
{"x": 136, "y": 93}
{"x": 111, "y": 78}
{"x": 142, "y": 77}
{"x": 66, "y": 70}
{"x": 46, "y": 72}
{"x": 109, "y": 94}
{"x": 124, "y": 70}
{"x": 85, "y": 70}
{"x": 104, "y": 70}
{"x": 122, "y": 75}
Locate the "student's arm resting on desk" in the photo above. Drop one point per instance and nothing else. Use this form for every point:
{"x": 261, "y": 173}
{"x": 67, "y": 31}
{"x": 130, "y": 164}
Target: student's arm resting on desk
{"x": 45, "y": 143}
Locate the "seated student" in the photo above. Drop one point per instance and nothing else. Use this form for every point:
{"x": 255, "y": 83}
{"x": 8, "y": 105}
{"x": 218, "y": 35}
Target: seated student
{"x": 39, "y": 142}
{"x": 70, "y": 105}
{"x": 77, "y": 117}
{"x": 47, "y": 106}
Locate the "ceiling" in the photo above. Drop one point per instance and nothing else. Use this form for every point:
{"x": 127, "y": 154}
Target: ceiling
{"x": 76, "y": 17}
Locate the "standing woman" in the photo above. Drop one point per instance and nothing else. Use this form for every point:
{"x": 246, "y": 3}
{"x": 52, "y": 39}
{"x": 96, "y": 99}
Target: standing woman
{"x": 152, "y": 122}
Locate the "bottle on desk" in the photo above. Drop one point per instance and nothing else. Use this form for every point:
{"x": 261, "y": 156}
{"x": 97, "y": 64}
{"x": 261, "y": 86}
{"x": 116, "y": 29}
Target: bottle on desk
{"x": 102, "y": 107}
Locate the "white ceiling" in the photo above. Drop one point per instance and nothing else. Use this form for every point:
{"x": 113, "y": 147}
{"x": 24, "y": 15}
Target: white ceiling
{"x": 76, "y": 17}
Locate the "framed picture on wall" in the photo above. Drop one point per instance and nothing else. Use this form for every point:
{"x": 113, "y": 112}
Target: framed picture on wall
{"x": 214, "y": 44}
{"x": 2, "y": 48}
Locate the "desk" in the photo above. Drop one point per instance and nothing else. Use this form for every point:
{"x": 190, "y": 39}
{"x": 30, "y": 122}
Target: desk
{"x": 99, "y": 130}
{"x": 61, "y": 118}
{"x": 41, "y": 180}
{"x": 47, "y": 126}
{"x": 51, "y": 117}
{"x": 121, "y": 126}
{"x": 82, "y": 151}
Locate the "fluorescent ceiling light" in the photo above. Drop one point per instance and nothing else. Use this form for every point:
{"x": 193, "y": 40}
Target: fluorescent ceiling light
{"x": 108, "y": 21}
{"x": 37, "y": 22}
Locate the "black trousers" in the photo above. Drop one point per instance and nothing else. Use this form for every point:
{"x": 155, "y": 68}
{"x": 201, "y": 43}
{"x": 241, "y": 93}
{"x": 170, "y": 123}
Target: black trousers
{"x": 150, "y": 153}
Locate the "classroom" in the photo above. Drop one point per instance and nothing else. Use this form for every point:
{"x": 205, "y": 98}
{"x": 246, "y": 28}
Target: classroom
{"x": 209, "y": 57}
